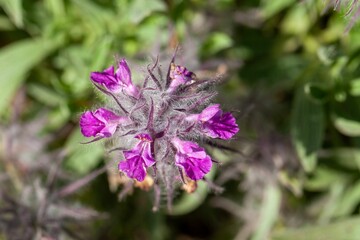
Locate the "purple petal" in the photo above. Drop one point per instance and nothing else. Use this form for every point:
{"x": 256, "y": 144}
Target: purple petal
{"x": 138, "y": 158}
{"x": 133, "y": 167}
{"x": 192, "y": 158}
{"x": 195, "y": 168}
{"x": 118, "y": 81}
{"x": 209, "y": 112}
{"x": 223, "y": 126}
{"x": 108, "y": 116}
{"x": 101, "y": 122}
{"x": 179, "y": 75}
{"x": 123, "y": 73}
{"x": 107, "y": 80}
{"x": 109, "y": 70}
{"x": 132, "y": 90}
{"x": 90, "y": 126}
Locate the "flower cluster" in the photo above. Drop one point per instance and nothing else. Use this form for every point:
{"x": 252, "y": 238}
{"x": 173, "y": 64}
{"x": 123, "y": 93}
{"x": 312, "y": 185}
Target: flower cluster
{"x": 155, "y": 125}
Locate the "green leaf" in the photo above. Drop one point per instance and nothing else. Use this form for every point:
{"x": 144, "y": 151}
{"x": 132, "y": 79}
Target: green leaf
{"x": 15, "y": 62}
{"x": 59, "y": 116}
{"x": 355, "y": 87}
{"x": 346, "y": 116}
{"x": 215, "y": 43}
{"x": 45, "y": 95}
{"x": 307, "y": 129}
{"x": 268, "y": 213}
{"x": 14, "y": 9}
{"x": 56, "y": 7}
{"x": 101, "y": 53}
{"x": 323, "y": 178}
{"x": 347, "y": 127}
{"x": 296, "y": 21}
{"x": 5, "y": 24}
{"x": 82, "y": 158}
{"x": 347, "y": 229}
{"x": 349, "y": 201}
{"x": 138, "y": 11}
{"x": 346, "y": 157}
{"x": 271, "y": 8}
{"x": 328, "y": 207}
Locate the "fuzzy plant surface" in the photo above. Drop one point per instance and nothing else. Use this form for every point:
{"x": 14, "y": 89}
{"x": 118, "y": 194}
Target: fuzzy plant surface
{"x": 352, "y": 8}
{"x": 157, "y": 127}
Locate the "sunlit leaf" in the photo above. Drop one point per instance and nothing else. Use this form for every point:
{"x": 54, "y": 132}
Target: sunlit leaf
{"x": 15, "y": 62}
{"x": 56, "y": 7}
{"x": 5, "y": 24}
{"x": 329, "y": 205}
{"x": 347, "y": 127}
{"x": 346, "y": 116}
{"x": 271, "y": 8}
{"x": 346, "y": 157}
{"x": 14, "y": 9}
{"x": 349, "y": 201}
{"x": 138, "y": 10}
{"x": 355, "y": 87}
{"x": 296, "y": 21}
{"x": 215, "y": 43}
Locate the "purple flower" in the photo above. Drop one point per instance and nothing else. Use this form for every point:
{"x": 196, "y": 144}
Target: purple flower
{"x": 118, "y": 81}
{"x": 158, "y": 113}
{"x": 192, "y": 158}
{"x": 179, "y": 75}
{"x": 138, "y": 158}
{"x": 100, "y": 123}
{"x": 214, "y": 123}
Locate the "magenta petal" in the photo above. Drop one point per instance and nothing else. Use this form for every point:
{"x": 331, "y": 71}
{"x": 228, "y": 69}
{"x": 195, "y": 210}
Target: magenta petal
{"x": 133, "y": 167}
{"x": 106, "y": 80}
{"x": 100, "y": 123}
{"x": 179, "y": 75}
{"x": 90, "y": 126}
{"x": 192, "y": 158}
{"x": 214, "y": 123}
{"x": 114, "y": 83}
{"x": 222, "y": 126}
{"x": 123, "y": 73}
{"x": 209, "y": 112}
{"x": 108, "y": 116}
{"x": 109, "y": 70}
{"x": 138, "y": 158}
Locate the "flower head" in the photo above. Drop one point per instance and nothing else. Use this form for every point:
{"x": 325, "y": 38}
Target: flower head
{"x": 214, "y": 123}
{"x": 100, "y": 123}
{"x": 192, "y": 158}
{"x": 117, "y": 82}
{"x": 138, "y": 158}
{"x": 157, "y": 122}
{"x": 179, "y": 75}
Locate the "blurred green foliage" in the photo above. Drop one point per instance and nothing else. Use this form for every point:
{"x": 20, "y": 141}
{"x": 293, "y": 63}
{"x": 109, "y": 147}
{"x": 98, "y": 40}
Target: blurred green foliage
{"x": 294, "y": 59}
